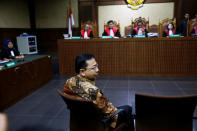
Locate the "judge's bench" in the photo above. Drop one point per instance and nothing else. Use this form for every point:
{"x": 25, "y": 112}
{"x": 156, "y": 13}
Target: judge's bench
{"x": 133, "y": 57}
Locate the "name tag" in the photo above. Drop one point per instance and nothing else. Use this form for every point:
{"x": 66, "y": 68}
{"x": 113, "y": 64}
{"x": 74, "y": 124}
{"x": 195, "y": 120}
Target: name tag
{"x": 76, "y": 37}
{"x": 140, "y": 36}
{"x": 175, "y": 35}
{"x": 10, "y": 64}
{"x": 106, "y": 37}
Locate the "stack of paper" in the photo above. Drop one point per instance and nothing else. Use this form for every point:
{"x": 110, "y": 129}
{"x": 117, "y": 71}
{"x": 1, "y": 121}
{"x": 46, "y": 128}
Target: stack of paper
{"x": 3, "y": 61}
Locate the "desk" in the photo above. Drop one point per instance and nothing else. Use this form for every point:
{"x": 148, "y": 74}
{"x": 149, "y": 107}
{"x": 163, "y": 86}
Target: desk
{"x": 22, "y": 79}
{"x": 133, "y": 57}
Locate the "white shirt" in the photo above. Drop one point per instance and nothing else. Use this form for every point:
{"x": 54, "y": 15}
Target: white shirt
{"x": 12, "y": 53}
{"x": 111, "y": 33}
{"x": 170, "y": 32}
{"x": 140, "y": 32}
{"x": 85, "y": 34}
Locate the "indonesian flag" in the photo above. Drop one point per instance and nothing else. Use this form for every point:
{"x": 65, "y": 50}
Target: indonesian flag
{"x": 70, "y": 22}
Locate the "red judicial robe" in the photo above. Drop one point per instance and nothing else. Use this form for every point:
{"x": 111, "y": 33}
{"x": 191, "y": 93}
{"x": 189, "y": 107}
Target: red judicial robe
{"x": 88, "y": 33}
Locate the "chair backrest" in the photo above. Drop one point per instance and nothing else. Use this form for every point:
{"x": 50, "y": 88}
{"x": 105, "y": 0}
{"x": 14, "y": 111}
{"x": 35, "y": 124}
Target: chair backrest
{"x": 128, "y": 30}
{"x": 78, "y": 105}
{"x": 143, "y": 20}
{"x": 84, "y": 115}
{"x": 163, "y": 25}
{"x": 116, "y": 24}
{"x": 154, "y": 28}
{"x": 162, "y": 113}
{"x": 93, "y": 27}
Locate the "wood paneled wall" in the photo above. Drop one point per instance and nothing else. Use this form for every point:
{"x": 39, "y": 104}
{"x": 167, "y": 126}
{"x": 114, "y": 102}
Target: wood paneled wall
{"x": 47, "y": 38}
{"x": 11, "y": 33}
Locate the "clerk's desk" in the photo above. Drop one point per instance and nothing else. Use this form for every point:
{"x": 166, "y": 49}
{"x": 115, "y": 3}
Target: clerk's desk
{"x": 133, "y": 56}
{"x": 26, "y": 76}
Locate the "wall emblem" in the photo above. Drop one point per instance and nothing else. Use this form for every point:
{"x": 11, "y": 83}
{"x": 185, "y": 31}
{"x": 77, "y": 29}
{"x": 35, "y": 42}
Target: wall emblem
{"x": 135, "y": 4}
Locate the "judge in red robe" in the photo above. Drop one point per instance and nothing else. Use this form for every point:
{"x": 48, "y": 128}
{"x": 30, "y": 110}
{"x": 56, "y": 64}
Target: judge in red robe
{"x": 170, "y": 30}
{"x": 139, "y": 30}
{"x": 87, "y": 32}
{"x": 194, "y": 31}
{"x": 111, "y": 30}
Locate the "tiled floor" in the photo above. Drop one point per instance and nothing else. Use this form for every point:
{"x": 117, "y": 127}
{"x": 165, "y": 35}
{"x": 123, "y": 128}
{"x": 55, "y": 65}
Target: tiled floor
{"x": 44, "y": 110}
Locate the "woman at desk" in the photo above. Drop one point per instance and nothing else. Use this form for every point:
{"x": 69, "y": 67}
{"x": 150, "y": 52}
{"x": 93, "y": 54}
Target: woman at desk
{"x": 9, "y": 52}
{"x": 170, "y": 30}
{"x": 194, "y": 30}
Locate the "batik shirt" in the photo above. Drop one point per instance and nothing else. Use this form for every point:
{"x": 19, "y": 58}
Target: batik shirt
{"x": 87, "y": 90}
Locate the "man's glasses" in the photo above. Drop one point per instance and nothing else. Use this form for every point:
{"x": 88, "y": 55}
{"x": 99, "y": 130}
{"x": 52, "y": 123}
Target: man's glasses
{"x": 93, "y": 68}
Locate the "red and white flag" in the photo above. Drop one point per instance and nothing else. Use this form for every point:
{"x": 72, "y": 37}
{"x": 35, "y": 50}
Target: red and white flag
{"x": 70, "y": 22}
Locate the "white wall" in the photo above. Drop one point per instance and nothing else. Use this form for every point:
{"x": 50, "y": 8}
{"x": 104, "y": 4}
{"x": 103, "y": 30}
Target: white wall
{"x": 14, "y": 14}
{"x": 48, "y": 13}
{"x": 123, "y": 14}
{"x": 53, "y": 13}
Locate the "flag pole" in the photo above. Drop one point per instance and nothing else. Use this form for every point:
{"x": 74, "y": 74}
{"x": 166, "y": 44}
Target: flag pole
{"x": 70, "y": 20}
{"x": 67, "y": 17}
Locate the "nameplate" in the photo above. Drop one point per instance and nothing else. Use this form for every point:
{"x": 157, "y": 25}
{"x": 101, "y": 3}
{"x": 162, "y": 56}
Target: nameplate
{"x": 153, "y": 34}
{"x": 10, "y": 64}
{"x": 193, "y": 34}
{"x": 106, "y": 37}
{"x": 175, "y": 35}
{"x": 139, "y": 36}
{"x": 76, "y": 37}
{"x": 127, "y": 36}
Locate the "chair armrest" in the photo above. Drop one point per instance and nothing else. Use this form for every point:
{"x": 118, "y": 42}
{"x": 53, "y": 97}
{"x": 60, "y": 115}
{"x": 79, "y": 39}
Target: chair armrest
{"x": 195, "y": 117}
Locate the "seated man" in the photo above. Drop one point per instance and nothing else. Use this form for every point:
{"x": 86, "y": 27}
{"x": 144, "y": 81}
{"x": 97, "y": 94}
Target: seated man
{"x": 184, "y": 24}
{"x": 111, "y": 30}
{"x": 87, "y": 32}
{"x": 139, "y": 30}
{"x": 9, "y": 52}
{"x": 83, "y": 85}
{"x": 170, "y": 30}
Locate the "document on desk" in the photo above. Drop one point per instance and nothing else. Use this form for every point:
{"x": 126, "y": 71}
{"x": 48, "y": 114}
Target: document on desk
{"x": 3, "y": 61}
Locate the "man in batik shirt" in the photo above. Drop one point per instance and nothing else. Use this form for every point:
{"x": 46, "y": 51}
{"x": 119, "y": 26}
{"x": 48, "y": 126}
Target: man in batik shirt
{"x": 83, "y": 85}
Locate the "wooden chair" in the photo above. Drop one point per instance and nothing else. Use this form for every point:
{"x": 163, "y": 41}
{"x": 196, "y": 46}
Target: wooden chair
{"x": 93, "y": 27}
{"x": 163, "y": 25}
{"x": 128, "y": 30}
{"x": 144, "y": 21}
{"x": 117, "y": 25}
{"x": 164, "y": 113}
{"x": 153, "y": 28}
{"x": 84, "y": 115}
{"x": 192, "y": 23}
